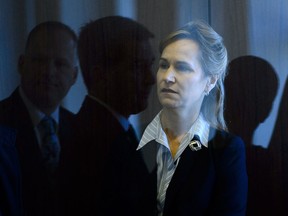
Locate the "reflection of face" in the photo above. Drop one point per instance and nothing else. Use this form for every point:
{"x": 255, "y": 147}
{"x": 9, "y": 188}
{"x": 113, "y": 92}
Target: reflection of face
{"x": 135, "y": 77}
{"x": 180, "y": 78}
{"x": 48, "y": 68}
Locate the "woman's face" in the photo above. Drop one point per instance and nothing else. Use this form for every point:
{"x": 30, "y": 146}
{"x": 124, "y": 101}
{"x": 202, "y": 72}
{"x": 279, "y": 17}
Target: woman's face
{"x": 181, "y": 82}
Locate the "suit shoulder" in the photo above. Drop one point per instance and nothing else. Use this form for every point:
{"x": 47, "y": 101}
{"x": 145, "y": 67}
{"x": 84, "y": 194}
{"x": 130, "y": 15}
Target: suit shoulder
{"x": 228, "y": 152}
{"x": 7, "y": 134}
{"x": 220, "y": 139}
{"x": 8, "y": 107}
{"x": 6, "y": 104}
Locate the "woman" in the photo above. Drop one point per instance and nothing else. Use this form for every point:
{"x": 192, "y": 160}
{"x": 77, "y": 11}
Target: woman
{"x": 200, "y": 166}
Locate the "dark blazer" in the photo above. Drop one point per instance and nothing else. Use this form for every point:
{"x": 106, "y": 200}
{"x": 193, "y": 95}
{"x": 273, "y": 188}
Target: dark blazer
{"x": 35, "y": 191}
{"x": 9, "y": 173}
{"x": 211, "y": 181}
{"x": 112, "y": 177}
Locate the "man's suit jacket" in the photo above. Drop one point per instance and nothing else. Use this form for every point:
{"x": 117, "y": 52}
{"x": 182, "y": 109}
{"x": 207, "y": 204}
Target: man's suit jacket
{"x": 211, "y": 181}
{"x": 112, "y": 176}
{"x": 34, "y": 193}
{"x": 9, "y": 173}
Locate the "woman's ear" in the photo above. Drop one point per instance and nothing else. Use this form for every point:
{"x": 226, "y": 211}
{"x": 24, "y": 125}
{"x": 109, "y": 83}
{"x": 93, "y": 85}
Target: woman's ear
{"x": 211, "y": 82}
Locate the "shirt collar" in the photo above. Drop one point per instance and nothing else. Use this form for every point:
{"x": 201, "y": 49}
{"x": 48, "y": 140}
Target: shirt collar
{"x": 155, "y": 132}
{"x": 122, "y": 120}
{"x": 35, "y": 114}
{"x": 200, "y": 128}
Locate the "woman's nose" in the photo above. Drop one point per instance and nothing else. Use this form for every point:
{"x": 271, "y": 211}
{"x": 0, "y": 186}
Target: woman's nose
{"x": 169, "y": 75}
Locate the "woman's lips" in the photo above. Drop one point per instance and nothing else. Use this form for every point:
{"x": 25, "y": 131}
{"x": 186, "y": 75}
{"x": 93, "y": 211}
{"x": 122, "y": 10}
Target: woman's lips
{"x": 167, "y": 90}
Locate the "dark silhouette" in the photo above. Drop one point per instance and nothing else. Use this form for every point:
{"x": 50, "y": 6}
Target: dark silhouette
{"x": 278, "y": 150}
{"x": 116, "y": 60}
{"x": 251, "y": 86}
{"x": 48, "y": 70}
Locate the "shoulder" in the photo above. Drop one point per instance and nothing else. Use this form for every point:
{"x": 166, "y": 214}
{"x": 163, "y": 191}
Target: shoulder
{"x": 228, "y": 153}
{"x": 91, "y": 109}
{"x": 10, "y": 101}
{"x": 219, "y": 139}
{"x": 12, "y": 110}
{"x": 227, "y": 148}
{"x": 95, "y": 114}
{"x": 7, "y": 135}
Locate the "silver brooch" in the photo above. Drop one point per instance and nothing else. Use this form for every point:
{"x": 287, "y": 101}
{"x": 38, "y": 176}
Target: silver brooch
{"x": 195, "y": 145}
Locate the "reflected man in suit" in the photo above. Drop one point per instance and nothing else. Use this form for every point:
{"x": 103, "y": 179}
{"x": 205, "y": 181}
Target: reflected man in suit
{"x": 116, "y": 61}
{"x": 47, "y": 70}
{"x": 251, "y": 86}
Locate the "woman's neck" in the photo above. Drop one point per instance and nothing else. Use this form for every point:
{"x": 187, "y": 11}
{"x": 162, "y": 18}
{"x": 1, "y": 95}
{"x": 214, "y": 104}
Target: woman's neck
{"x": 176, "y": 121}
{"x": 176, "y": 125}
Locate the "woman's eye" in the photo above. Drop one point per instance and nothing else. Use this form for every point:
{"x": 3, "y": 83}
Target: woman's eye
{"x": 163, "y": 65}
{"x": 183, "y": 68}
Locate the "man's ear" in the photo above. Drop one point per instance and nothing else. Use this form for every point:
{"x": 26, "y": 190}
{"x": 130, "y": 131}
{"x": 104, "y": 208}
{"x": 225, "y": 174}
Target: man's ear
{"x": 212, "y": 80}
{"x": 20, "y": 65}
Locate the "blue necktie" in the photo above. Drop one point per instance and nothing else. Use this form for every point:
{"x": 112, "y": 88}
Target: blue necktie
{"x": 50, "y": 143}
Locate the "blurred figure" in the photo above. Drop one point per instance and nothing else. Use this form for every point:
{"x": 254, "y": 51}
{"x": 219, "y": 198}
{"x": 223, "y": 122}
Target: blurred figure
{"x": 278, "y": 150}
{"x": 116, "y": 60}
{"x": 48, "y": 70}
{"x": 200, "y": 167}
{"x": 251, "y": 86}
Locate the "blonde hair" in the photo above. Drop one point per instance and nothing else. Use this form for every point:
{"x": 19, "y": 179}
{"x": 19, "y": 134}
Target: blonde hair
{"x": 213, "y": 59}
